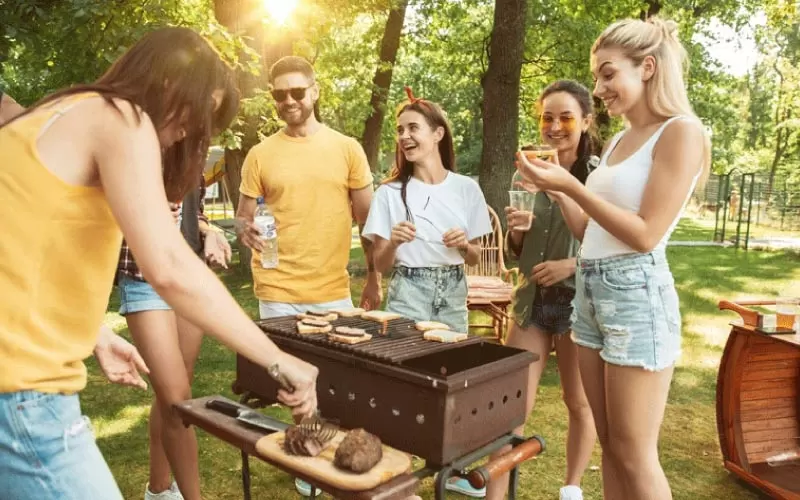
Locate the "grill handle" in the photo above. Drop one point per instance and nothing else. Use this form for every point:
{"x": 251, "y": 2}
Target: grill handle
{"x": 480, "y": 477}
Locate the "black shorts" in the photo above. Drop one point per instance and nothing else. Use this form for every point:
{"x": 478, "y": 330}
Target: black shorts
{"x": 552, "y": 309}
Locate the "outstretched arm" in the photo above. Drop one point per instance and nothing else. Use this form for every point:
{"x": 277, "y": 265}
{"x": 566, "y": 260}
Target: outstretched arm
{"x": 126, "y": 152}
{"x": 676, "y": 162}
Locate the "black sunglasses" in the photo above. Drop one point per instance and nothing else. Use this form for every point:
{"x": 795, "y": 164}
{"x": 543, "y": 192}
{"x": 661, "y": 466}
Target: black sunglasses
{"x": 297, "y": 93}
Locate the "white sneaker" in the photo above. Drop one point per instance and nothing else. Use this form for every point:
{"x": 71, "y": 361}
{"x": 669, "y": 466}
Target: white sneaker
{"x": 571, "y": 492}
{"x": 173, "y": 493}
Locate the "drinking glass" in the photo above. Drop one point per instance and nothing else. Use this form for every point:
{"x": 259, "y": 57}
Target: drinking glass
{"x": 788, "y": 311}
{"x": 522, "y": 201}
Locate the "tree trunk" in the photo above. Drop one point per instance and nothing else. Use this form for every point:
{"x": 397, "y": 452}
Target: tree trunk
{"x": 780, "y": 132}
{"x": 371, "y": 140}
{"x": 781, "y": 144}
{"x": 500, "y": 106}
{"x": 242, "y": 17}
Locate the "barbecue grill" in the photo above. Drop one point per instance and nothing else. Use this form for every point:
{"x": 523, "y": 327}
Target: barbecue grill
{"x": 439, "y": 401}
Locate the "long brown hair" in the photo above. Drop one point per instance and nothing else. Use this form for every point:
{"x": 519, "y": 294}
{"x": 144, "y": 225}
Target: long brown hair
{"x": 170, "y": 74}
{"x": 435, "y": 117}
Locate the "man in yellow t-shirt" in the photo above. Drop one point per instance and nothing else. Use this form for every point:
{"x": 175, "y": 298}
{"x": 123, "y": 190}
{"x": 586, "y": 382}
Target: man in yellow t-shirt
{"x": 314, "y": 180}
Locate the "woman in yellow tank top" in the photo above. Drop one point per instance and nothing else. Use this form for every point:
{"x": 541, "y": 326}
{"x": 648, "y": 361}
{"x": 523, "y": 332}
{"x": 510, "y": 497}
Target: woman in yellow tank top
{"x": 80, "y": 169}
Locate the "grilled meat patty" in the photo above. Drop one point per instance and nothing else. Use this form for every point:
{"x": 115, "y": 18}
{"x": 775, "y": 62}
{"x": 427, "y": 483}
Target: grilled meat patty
{"x": 358, "y": 452}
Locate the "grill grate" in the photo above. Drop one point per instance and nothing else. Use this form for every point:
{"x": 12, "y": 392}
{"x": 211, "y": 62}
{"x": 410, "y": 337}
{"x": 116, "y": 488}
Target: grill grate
{"x": 399, "y": 342}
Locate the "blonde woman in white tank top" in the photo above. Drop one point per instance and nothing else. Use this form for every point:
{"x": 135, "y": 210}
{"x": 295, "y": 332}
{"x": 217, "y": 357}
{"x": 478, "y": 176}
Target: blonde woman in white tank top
{"x": 627, "y": 319}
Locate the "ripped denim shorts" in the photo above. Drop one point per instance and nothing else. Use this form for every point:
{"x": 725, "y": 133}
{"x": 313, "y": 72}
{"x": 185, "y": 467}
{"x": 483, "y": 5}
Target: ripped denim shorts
{"x": 627, "y": 308}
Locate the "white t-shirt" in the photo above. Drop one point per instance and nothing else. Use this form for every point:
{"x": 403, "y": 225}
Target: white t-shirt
{"x": 455, "y": 203}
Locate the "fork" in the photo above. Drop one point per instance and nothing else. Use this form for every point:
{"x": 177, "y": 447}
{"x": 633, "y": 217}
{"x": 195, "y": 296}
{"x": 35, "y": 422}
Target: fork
{"x": 318, "y": 428}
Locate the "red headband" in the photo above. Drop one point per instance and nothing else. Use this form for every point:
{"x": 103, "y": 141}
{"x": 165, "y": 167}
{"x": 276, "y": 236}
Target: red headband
{"x": 414, "y": 100}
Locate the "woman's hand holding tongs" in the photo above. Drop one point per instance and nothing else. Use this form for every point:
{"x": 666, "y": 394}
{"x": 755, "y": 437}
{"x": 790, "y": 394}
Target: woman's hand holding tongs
{"x": 299, "y": 385}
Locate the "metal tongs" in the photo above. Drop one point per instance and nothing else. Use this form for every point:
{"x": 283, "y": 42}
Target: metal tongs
{"x": 314, "y": 426}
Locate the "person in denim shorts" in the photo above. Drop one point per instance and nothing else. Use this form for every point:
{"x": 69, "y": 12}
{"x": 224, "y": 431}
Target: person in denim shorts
{"x": 84, "y": 168}
{"x": 425, "y": 222}
{"x": 149, "y": 317}
{"x": 626, "y": 319}
{"x": 547, "y": 253}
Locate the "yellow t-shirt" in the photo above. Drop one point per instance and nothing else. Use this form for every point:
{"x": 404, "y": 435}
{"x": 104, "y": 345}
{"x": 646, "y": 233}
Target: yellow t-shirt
{"x": 306, "y": 182}
{"x": 58, "y": 254}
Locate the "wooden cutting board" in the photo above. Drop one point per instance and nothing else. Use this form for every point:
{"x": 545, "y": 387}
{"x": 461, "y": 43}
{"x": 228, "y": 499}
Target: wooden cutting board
{"x": 393, "y": 463}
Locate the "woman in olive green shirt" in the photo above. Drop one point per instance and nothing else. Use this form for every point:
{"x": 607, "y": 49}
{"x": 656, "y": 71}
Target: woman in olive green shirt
{"x": 547, "y": 250}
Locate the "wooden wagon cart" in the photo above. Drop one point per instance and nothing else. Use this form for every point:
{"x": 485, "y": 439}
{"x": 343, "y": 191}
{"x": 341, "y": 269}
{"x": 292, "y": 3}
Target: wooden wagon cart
{"x": 758, "y": 408}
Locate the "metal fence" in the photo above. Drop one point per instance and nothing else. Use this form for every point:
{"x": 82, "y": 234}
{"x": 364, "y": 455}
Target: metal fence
{"x": 739, "y": 201}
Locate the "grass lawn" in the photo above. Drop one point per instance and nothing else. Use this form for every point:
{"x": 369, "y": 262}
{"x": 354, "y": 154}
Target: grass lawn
{"x": 702, "y": 229}
{"x": 689, "y": 444}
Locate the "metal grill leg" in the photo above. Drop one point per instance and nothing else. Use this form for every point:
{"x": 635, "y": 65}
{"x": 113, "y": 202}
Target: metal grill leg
{"x": 441, "y": 482}
{"x": 246, "y": 475}
{"x": 245, "y": 460}
{"x": 513, "y": 480}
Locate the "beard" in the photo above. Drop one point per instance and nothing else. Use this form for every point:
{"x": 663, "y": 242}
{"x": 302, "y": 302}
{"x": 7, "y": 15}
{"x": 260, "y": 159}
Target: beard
{"x": 295, "y": 118}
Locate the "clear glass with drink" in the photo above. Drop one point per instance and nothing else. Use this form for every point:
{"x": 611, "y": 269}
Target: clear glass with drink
{"x": 787, "y": 308}
{"x": 523, "y": 202}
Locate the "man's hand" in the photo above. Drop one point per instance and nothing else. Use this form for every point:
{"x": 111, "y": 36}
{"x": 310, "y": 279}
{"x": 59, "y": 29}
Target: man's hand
{"x": 120, "y": 361}
{"x": 372, "y": 294}
{"x": 248, "y": 234}
{"x": 216, "y": 249}
{"x": 553, "y": 271}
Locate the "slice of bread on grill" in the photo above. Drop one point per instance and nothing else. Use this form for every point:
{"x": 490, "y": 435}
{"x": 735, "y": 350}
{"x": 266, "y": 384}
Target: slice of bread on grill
{"x": 325, "y": 316}
{"x": 348, "y": 313}
{"x": 349, "y": 335}
{"x": 424, "y": 326}
{"x": 380, "y": 316}
{"x": 444, "y": 336}
{"x": 308, "y": 326}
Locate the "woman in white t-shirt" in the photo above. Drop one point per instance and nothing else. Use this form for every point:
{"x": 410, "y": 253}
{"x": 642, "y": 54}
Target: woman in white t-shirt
{"x": 626, "y": 320}
{"x": 425, "y": 221}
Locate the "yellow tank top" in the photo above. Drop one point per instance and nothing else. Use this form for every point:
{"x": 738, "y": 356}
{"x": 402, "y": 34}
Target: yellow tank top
{"x": 58, "y": 252}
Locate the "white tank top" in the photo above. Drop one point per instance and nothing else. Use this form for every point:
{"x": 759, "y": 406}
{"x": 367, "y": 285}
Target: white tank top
{"x": 623, "y": 185}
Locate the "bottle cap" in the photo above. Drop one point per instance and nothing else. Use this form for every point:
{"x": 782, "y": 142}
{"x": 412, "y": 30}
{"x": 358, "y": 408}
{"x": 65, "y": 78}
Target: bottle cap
{"x": 260, "y": 200}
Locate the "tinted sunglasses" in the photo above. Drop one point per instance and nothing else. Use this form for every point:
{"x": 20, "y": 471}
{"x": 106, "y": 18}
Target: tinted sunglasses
{"x": 297, "y": 93}
{"x": 568, "y": 123}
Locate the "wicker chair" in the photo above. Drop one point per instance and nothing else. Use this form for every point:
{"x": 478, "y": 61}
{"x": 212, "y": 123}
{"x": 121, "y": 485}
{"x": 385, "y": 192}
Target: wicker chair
{"x": 490, "y": 283}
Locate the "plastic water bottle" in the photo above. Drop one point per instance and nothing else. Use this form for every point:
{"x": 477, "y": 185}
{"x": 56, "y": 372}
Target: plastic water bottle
{"x": 265, "y": 222}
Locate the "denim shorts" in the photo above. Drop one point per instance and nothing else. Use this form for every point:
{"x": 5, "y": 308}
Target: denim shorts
{"x": 627, "y": 308}
{"x": 48, "y": 450}
{"x": 430, "y": 294}
{"x": 138, "y": 296}
{"x": 552, "y": 310}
